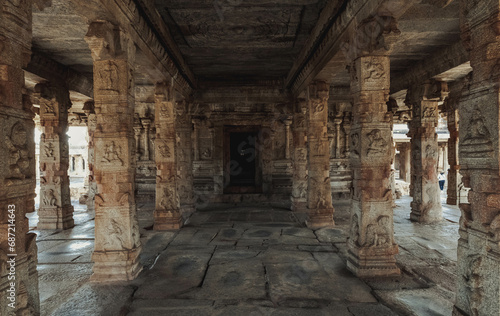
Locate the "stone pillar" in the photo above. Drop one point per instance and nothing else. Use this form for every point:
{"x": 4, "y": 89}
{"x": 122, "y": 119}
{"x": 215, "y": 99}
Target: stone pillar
{"x": 147, "y": 128}
{"x": 17, "y": 170}
{"x": 371, "y": 245}
{"x": 196, "y": 142}
{"x": 453, "y": 171}
{"x": 117, "y": 244}
{"x": 167, "y": 211}
{"x": 185, "y": 158}
{"x": 299, "y": 136}
{"x": 319, "y": 195}
{"x": 56, "y": 211}
{"x": 478, "y": 283}
{"x": 137, "y": 137}
{"x": 287, "y": 123}
{"x": 404, "y": 162}
{"x": 423, "y": 99}
{"x": 89, "y": 109}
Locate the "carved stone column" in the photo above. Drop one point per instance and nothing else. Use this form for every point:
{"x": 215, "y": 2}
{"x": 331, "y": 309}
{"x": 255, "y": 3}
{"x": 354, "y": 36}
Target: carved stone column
{"x": 287, "y": 123}
{"x": 89, "y": 109}
{"x": 117, "y": 243}
{"x": 56, "y": 211}
{"x": 371, "y": 245}
{"x": 478, "y": 283}
{"x": 167, "y": 212}
{"x": 451, "y": 107}
{"x": 426, "y": 205}
{"x": 17, "y": 169}
{"x": 319, "y": 197}
{"x": 146, "y": 122}
{"x": 185, "y": 158}
{"x": 299, "y": 130}
{"x": 404, "y": 162}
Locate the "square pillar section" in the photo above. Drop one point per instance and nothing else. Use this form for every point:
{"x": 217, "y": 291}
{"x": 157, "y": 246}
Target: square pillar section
{"x": 167, "y": 213}
{"x": 319, "y": 196}
{"x": 478, "y": 265}
{"x": 184, "y": 130}
{"x": 56, "y": 211}
{"x": 371, "y": 245}
{"x": 17, "y": 167}
{"x": 117, "y": 244}
{"x": 299, "y": 136}
{"x": 423, "y": 99}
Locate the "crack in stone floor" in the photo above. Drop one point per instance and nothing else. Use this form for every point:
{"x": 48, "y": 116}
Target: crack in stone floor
{"x": 251, "y": 261}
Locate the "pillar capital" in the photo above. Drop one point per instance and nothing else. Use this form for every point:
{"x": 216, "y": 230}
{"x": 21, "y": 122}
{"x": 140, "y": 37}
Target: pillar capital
{"x": 107, "y": 41}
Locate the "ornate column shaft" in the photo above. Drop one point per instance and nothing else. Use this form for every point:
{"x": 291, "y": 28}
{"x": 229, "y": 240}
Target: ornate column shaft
{"x": 185, "y": 158}
{"x": 371, "y": 245}
{"x": 167, "y": 212}
{"x": 89, "y": 109}
{"x": 319, "y": 196}
{"x": 478, "y": 284}
{"x": 17, "y": 170}
{"x": 56, "y": 211}
{"x": 299, "y": 135}
{"x": 287, "y": 123}
{"x": 147, "y": 126}
{"x": 404, "y": 162}
{"x": 453, "y": 171}
{"x": 423, "y": 99}
{"x": 117, "y": 244}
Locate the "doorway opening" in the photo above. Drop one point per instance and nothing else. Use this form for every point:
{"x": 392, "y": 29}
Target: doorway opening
{"x": 241, "y": 158}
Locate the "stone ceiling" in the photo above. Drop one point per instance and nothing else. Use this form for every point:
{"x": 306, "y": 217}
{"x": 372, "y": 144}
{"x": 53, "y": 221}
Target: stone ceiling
{"x": 240, "y": 40}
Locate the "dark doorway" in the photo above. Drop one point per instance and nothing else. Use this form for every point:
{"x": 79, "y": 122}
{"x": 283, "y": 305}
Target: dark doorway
{"x": 241, "y": 160}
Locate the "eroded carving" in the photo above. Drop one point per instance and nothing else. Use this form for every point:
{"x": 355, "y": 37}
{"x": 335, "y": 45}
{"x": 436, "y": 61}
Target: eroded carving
{"x": 378, "y": 235}
{"x": 112, "y": 153}
{"x": 378, "y": 146}
{"x": 19, "y": 160}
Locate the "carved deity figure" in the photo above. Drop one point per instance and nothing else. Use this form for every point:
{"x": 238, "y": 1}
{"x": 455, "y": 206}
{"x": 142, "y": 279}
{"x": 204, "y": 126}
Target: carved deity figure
{"x": 429, "y": 112}
{"x": 474, "y": 284}
{"x": 355, "y": 229}
{"x": 377, "y": 235}
{"x": 477, "y": 129}
{"x": 375, "y": 70}
{"x": 18, "y": 153}
{"x": 378, "y": 145}
{"x": 164, "y": 150}
{"x": 48, "y": 150}
{"x": 207, "y": 154}
{"x": 109, "y": 76}
{"x": 49, "y": 198}
{"x": 167, "y": 202}
{"x": 112, "y": 153}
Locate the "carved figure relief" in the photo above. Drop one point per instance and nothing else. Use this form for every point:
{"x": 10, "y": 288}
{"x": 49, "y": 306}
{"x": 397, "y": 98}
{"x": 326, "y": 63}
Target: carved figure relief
{"x": 19, "y": 160}
{"x": 321, "y": 202}
{"x": 168, "y": 200}
{"x": 48, "y": 150}
{"x": 318, "y": 106}
{"x": 164, "y": 150}
{"x": 112, "y": 153}
{"x": 164, "y": 111}
{"x": 375, "y": 70}
{"x": 378, "y": 235}
{"x": 301, "y": 155}
{"x": 474, "y": 283}
{"x": 207, "y": 154}
{"x": 109, "y": 76}
{"x": 378, "y": 145}
{"x": 114, "y": 235}
{"x": 430, "y": 152}
{"x": 48, "y": 107}
{"x": 477, "y": 141}
{"x": 355, "y": 144}
{"x": 429, "y": 112}
{"x": 49, "y": 198}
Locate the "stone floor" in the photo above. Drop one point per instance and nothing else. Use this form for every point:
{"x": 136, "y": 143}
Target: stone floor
{"x": 251, "y": 261}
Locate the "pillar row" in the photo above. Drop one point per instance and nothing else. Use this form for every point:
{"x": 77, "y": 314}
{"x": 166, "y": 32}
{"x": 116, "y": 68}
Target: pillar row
{"x": 423, "y": 99}
{"x": 167, "y": 213}
{"x": 56, "y": 211}
{"x": 117, "y": 245}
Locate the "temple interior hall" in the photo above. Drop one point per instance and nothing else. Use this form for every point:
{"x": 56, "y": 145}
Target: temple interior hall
{"x": 250, "y": 157}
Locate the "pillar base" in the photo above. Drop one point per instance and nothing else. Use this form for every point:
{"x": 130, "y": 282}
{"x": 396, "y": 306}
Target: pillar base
{"x": 116, "y": 266}
{"x": 167, "y": 220}
{"x": 320, "y": 218}
{"x": 426, "y": 214}
{"x": 50, "y": 219}
{"x": 367, "y": 262}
